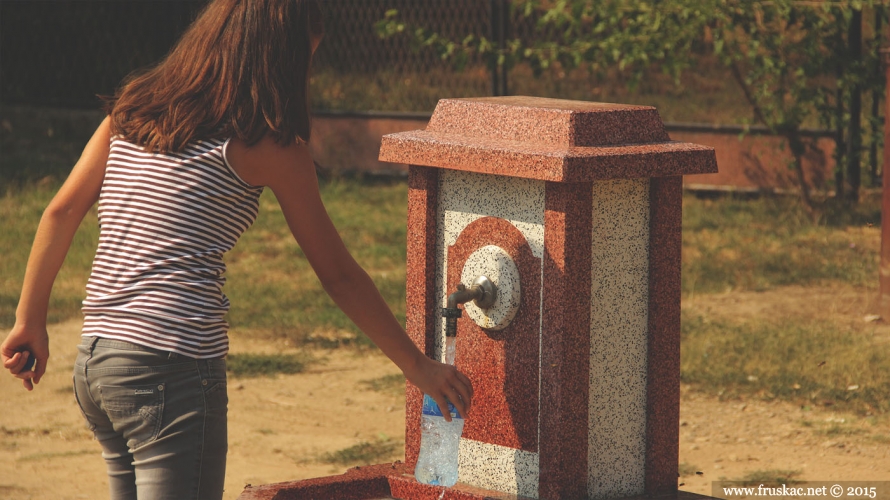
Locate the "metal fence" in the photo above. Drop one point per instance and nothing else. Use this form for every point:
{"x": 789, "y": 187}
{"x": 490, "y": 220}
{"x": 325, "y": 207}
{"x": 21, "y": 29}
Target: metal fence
{"x": 356, "y": 70}
{"x": 63, "y": 53}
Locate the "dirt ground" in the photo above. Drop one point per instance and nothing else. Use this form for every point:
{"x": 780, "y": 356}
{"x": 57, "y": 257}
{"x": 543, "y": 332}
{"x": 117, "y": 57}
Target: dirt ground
{"x": 733, "y": 439}
{"x": 280, "y": 428}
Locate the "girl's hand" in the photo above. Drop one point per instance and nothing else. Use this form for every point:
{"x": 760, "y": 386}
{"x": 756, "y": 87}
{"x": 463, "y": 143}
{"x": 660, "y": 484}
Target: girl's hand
{"x": 443, "y": 383}
{"x": 21, "y": 344}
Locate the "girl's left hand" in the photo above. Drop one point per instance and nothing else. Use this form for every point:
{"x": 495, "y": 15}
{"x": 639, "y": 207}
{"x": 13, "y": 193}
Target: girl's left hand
{"x": 34, "y": 341}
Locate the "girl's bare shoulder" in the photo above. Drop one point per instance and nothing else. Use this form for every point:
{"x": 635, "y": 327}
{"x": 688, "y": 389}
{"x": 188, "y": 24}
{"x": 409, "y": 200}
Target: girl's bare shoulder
{"x": 263, "y": 163}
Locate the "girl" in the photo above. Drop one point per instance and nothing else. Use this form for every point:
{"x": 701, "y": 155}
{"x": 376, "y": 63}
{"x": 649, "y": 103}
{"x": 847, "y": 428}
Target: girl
{"x": 177, "y": 168}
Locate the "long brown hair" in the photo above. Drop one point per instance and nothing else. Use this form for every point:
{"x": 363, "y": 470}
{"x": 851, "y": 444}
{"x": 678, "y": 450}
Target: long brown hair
{"x": 241, "y": 69}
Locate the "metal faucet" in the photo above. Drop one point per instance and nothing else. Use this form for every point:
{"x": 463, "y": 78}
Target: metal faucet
{"x": 483, "y": 293}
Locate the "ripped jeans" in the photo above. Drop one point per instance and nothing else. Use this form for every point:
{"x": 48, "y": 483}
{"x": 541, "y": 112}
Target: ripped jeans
{"x": 160, "y": 418}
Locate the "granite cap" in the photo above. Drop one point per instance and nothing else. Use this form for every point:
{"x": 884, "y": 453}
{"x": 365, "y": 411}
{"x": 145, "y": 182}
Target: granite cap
{"x": 547, "y": 139}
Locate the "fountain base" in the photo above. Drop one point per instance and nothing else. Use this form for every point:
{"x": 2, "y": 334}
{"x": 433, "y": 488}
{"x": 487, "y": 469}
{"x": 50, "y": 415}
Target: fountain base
{"x": 393, "y": 481}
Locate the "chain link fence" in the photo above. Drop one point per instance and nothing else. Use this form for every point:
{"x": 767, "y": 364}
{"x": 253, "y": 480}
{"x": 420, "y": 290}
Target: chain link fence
{"x": 63, "y": 53}
{"x": 356, "y": 70}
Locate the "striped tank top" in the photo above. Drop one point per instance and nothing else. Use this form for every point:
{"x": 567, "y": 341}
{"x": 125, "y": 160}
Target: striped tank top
{"x": 165, "y": 221}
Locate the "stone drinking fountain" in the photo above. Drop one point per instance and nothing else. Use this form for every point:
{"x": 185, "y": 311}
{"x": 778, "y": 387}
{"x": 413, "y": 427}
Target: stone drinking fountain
{"x": 573, "y": 210}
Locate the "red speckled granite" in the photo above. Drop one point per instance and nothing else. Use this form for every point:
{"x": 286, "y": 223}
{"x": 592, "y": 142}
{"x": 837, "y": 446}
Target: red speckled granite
{"x": 566, "y": 346}
{"x": 503, "y": 365}
{"x": 355, "y": 484}
{"x": 547, "y": 139}
{"x": 405, "y": 486}
{"x": 552, "y": 121}
{"x": 423, "y": 313}
{"x": 663, "y": 378}
{"x": 372, "y": 482}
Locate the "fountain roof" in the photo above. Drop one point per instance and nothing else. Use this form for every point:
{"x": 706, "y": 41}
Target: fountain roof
{"x": 548, "y": 139}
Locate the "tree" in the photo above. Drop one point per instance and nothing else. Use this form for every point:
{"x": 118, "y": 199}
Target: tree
{"x": 789, "y": 57}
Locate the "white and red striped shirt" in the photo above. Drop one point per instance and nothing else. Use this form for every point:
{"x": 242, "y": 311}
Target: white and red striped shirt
{"x": 166, "y": 220}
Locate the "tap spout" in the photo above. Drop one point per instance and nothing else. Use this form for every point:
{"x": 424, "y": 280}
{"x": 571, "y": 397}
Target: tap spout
{"x": 483, "y": 293}
{"x": 463, "y": 295}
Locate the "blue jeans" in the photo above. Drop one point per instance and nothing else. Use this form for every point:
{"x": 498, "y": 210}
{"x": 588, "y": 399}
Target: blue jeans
{"x": 160, "y": 418}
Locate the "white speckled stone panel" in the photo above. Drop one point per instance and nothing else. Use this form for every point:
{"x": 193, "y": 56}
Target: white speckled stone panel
{"x": 463, "y": 198}
{"x": 467, "y": 196}
{"x": 498, "y": 468}
{"x": 496, "y": 264}
{"x": 618, "y": 344}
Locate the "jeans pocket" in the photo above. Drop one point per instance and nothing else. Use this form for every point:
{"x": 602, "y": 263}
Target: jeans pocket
{"x": 216, "y": 394}
{"x": 135, "y": 411}
{"x": 214, "y": 384}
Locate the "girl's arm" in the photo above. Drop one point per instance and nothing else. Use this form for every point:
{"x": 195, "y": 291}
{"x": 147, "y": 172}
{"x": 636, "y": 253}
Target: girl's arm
{"x": 290, "y": 173}
{"x": 54, "y": 234}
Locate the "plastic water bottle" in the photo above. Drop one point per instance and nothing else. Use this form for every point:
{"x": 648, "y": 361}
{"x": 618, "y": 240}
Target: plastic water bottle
{"x": 439, "y": 440}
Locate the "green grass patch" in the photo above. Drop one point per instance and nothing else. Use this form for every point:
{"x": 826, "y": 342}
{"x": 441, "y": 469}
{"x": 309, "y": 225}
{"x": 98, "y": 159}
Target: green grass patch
{"x": 20, "y": 212}
{"x": 364, "y": 453}
{"x": 727, "y": 244}
{"x": 687, "y": 470}
{"x": 839, "y": 430}
{"x": 270, "y": 283}
{"x": 735, "y": 244}
{"x": 810, "y": 362}
{"x": 389, "y": 384}
{"x": 770, "y": 477}
{"x": 272, "y": 286}
{"x": 24, "y": 431}
{"x": 389, "y": 90}
{"x": 265, "y": 365}
{"x": 707, "y": 95}
{"x": 60, "y": 454}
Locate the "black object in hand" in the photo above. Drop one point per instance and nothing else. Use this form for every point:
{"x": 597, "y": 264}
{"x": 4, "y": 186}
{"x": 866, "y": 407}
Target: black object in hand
{"x": 30, "y": 363}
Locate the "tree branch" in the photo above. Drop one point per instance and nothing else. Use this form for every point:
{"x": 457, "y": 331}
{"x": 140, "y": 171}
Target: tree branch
{"x": 758, "y": 113}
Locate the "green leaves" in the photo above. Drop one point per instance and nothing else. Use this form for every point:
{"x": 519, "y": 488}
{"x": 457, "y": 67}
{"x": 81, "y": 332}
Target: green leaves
{"x": 389, "y": 25}
{"x": 790, "y": 57}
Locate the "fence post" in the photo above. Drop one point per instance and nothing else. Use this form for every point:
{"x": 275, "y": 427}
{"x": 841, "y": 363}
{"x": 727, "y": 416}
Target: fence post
{"x": 876, "y": 100}
{"x": 884, "y": 270}
{"x": 500, "y": 12}
{"x": 854, "y": 168}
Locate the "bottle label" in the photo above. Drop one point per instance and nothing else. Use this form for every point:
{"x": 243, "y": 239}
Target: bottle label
{"x": 431, "y": 408}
